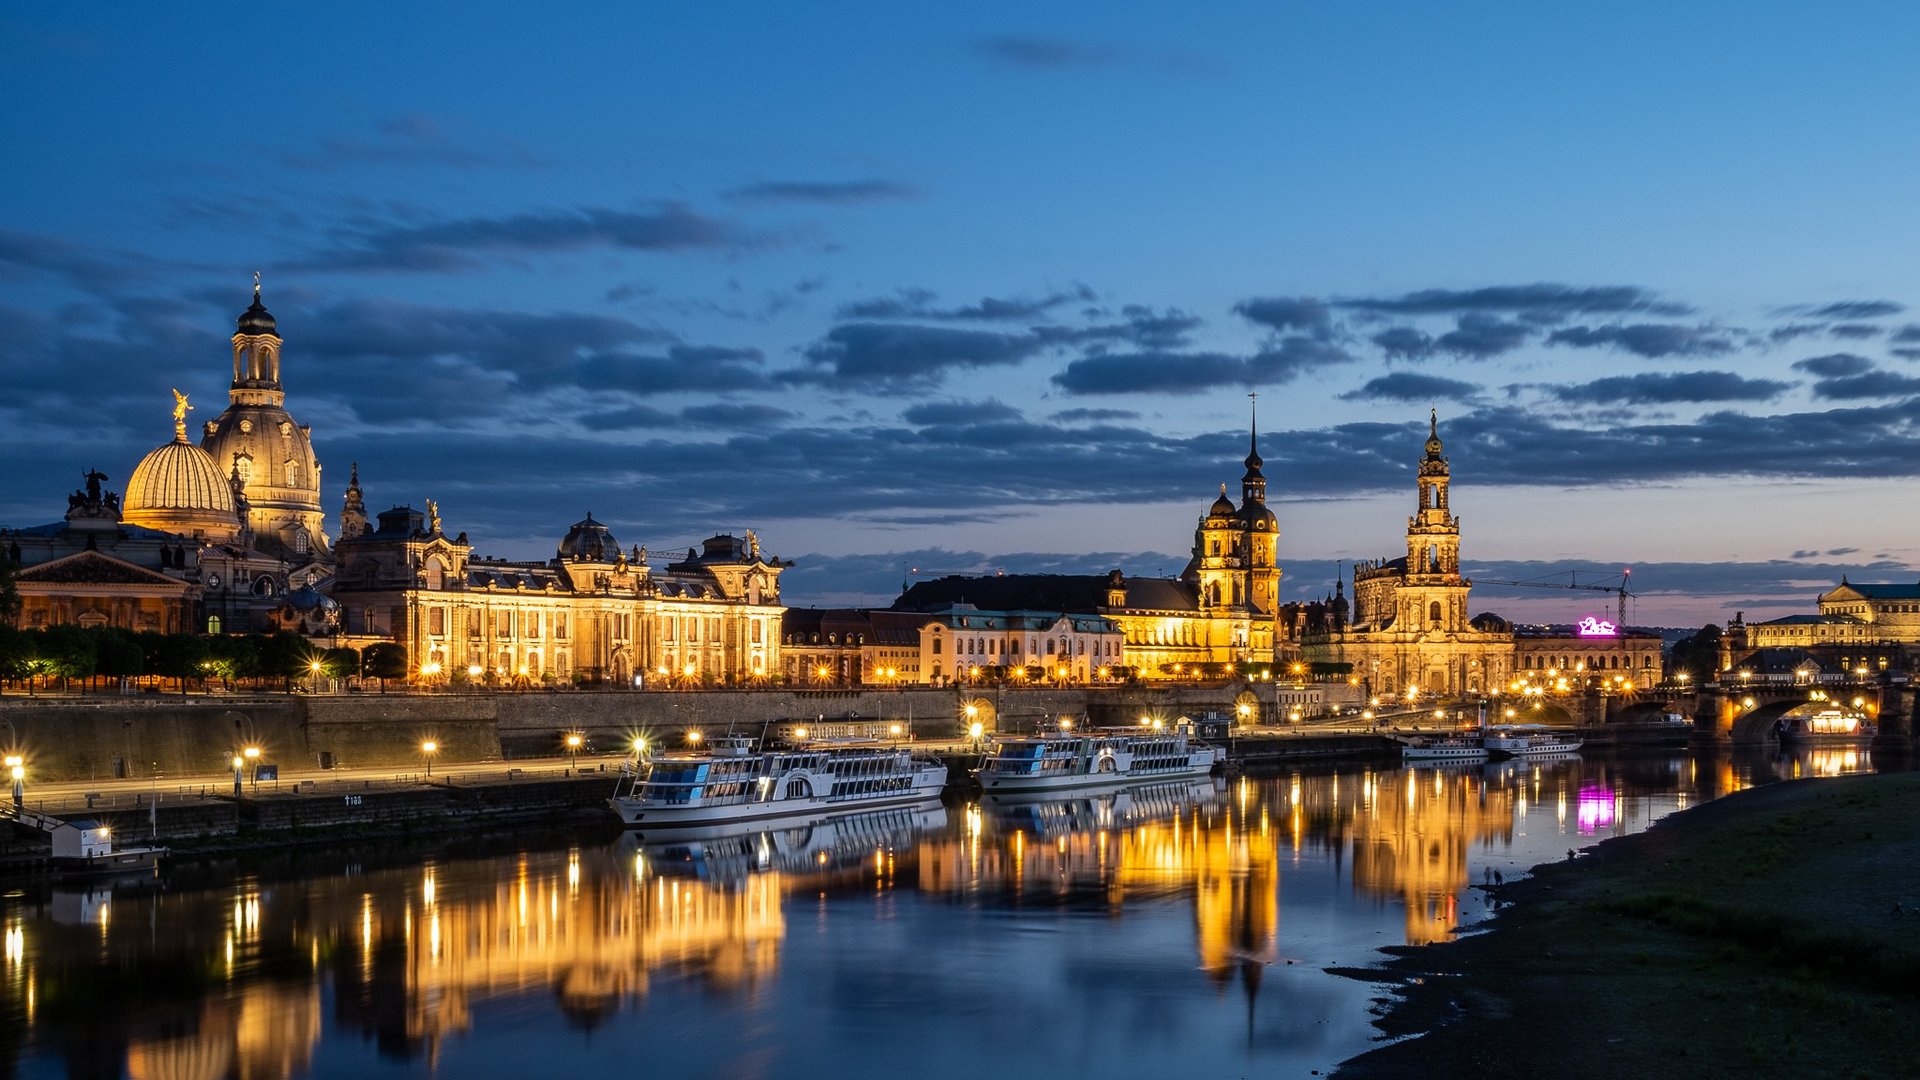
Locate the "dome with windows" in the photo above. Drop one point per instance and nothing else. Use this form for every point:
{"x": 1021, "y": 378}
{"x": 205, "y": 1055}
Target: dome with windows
{"x": 589, "y": 541}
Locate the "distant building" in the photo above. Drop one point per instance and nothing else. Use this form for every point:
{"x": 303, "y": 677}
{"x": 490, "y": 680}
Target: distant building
{"x": 1599, "y": 649}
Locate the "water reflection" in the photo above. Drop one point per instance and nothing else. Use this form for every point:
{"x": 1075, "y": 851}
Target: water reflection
{"x": 267, "y": 977}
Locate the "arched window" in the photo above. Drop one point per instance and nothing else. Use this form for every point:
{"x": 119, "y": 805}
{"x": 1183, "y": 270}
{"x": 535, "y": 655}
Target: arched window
{"x": 936, "y": 646}
{"x": 1433, "y": 612}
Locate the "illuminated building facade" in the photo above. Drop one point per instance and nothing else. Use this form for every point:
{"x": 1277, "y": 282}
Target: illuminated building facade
{"x": 592, "y": 613}
{"x": 1871, "y": 626}
{"x": 1410, "y": 631}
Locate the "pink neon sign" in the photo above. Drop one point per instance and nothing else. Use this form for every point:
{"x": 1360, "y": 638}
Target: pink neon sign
{"x": 1596, "y": 627}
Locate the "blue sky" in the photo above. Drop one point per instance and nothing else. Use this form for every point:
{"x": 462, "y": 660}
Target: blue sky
{"x": 987, "y": 287}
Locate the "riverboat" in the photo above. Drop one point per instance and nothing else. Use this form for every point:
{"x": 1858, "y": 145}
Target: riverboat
{"x": 734, "y": 782}
{"x": 1063, "y": 762}
{"x": 1828, "y": 726}
{"x": 1521, "y": 743}
{"x": 1440, "y": 749}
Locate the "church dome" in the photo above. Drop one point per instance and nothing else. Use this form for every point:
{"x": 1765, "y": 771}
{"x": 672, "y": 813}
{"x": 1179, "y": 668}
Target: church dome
{"x": 256, "y": 319}
{"x": 589, "y": 541}
{"x": 1222, "y": 506}
{"x": 178, "y": 488}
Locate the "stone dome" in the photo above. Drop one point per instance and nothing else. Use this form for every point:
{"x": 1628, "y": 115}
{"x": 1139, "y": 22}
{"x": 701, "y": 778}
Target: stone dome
{"x": 589, "y": 541}
{"x": 1222, "y": 506}
{"x": 178, "y": 488}
{"x": 1488, "y": 623}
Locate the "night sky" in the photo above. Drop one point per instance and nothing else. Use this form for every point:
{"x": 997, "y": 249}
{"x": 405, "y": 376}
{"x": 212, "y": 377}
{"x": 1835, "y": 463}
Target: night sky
{"x": 987, "y": 288}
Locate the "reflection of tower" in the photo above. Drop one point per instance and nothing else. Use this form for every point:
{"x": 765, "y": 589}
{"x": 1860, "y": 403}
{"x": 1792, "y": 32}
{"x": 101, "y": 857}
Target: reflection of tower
{"x": 1411, "y": 835}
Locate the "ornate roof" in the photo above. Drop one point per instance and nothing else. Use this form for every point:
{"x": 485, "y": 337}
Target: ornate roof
{"x": 93, "y": 568}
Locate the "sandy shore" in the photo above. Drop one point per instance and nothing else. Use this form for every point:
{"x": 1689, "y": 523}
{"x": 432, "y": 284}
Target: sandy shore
{"x": 1772, "y": 933}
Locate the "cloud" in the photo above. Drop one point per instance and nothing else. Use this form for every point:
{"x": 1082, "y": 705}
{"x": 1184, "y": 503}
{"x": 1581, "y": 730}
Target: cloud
{"x": 1834, "y": 365}
{"x": 893, "y": 352}
{"x": 1873, "y": 384}
{"x": 451, "y": 246}
{"x": 918, "y": 304}
{"x": 735, "y": 415}
{"x": 1652, "y": 340}
{"x": 30, "y": 255}
{"x": 1194, "y": 372}
{"x": 1846, "y": 309}
{"x": 1663, "y": 388}
{"x": 629, "y": 419}
{"x": 822, "y": 191}
{"x": 1908, "y": 334}
{"x": 960, "y": 412}
{"x": 1404, "y": 343}
{"x": 1045, "y": 53}
{"x": 1783, "y": 334}
{"x": 1302, "y": 313}
{"x": 1406, "y": 386}
{"x": 1855, "y": 331}
{"x": 1541, "y": 301}
{"x": 1080, "y": 416}
{"x": 411, "y": 139}
{"x": 1477, "y": 337}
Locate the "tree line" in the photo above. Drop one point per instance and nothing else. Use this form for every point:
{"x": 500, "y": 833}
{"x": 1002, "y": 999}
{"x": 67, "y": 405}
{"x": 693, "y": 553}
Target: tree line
{"x": 93, "y": 657}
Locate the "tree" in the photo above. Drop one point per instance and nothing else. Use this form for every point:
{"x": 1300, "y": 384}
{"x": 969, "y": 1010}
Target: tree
{"x": 68, "y": 652}
{"x": 385, "y": 660}
{"x": 119, "y": 652}
{"x": 16, "y": 653}
{"x": 285, "y": 656}
{"x": 230, "y": 658}
{"x": 181, "y": 656}
{"x": 1698, "y": 656}
{"x": 338, "y": 663}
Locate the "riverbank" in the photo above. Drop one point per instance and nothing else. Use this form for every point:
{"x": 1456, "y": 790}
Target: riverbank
{"x": 1772, "y": 933}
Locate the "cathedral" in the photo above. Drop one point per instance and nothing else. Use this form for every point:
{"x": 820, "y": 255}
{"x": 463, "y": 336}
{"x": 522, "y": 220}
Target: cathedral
{"x": 1410, "y": 633}
{"x": 227, "y": 536}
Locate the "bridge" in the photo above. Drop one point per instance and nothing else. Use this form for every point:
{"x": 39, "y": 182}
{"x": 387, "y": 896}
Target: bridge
{"x": 1745, "y": 710}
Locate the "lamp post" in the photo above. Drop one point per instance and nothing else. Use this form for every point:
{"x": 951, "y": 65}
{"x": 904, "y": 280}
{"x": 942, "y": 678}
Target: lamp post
{"x": 573, "y": 748}
{"x": 313, "y": 667}
{"x": 239, "y": 763}
{"x": 428, "y": 749}
{"x": 252, "y": 755}
{"x": 17, "y": 771}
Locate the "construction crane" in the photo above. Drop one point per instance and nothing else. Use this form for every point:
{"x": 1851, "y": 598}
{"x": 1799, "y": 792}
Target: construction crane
{"x": 1621, "y": 590}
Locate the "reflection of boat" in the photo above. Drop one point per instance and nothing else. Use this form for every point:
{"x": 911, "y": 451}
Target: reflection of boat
{"x": 1828, "y": 725}
{"x": 729, "y": 853}
{"x": 1046, "y": 815}
{"x": 735, "y": 783}
{"x": 1062, "y": 762}
{"x": 1529, "y": 743}
{"x": 1432, "y": 749}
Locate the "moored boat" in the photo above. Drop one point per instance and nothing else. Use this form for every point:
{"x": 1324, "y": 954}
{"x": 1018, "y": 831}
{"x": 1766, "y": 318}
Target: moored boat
{"x": 734, "y": 782}
{"x": 1063, "y": 762}
{"x": 1439, "y": 749}
{"x": 1524, "y": 743}
{"x": 1827, "y": 726}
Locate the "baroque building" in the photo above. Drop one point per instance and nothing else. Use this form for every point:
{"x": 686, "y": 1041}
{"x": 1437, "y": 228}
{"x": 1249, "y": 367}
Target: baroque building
{"x": 1410, "y": 631}
{"x": 1857, "y": 625}
{"x": 591, "y": 614}
{"x": 1222, "y": 612}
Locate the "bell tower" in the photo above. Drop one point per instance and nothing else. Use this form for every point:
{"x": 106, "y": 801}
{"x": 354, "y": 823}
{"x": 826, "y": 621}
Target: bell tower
{"x": 1435, "y": 595}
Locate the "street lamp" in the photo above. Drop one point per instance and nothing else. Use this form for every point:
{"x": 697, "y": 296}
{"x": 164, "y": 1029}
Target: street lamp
{"x": 252, "y": 755}
{"x": 239, "y": 763}
{"x": 313, "y": 667}
{"x": 429, "y": 748}
{"x": 573, "y": 747}
{"x": 17, "y": 770}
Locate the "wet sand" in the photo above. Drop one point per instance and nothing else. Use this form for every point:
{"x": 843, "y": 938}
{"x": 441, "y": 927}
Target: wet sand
{"x": 1772, "y": 933}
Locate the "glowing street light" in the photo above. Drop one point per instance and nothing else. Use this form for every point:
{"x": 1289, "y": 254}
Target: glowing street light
{"x": 429, "y": 748}
{"x": 239, "y": 763}
{"x": 573, "y": 747}
{"x": 17, "y": 771}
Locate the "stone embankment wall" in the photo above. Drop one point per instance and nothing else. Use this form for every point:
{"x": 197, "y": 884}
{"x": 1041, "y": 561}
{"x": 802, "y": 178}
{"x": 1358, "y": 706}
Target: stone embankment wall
{"x": 106, "y": 737}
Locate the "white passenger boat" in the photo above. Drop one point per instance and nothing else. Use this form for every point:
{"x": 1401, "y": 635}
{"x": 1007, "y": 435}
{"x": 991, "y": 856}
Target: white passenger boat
{"x": 1439, "y": 749}
{"x": 1520, "y": 743}
{"x": 733, "y": 782}
{"x": 1063, "y": 762}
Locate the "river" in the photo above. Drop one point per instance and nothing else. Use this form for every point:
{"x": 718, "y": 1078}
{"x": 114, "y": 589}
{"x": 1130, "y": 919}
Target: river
{"x": 1159, "y": 932}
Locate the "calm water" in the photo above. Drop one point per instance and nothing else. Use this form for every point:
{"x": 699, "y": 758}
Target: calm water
{"x": 1177, "y": 931}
